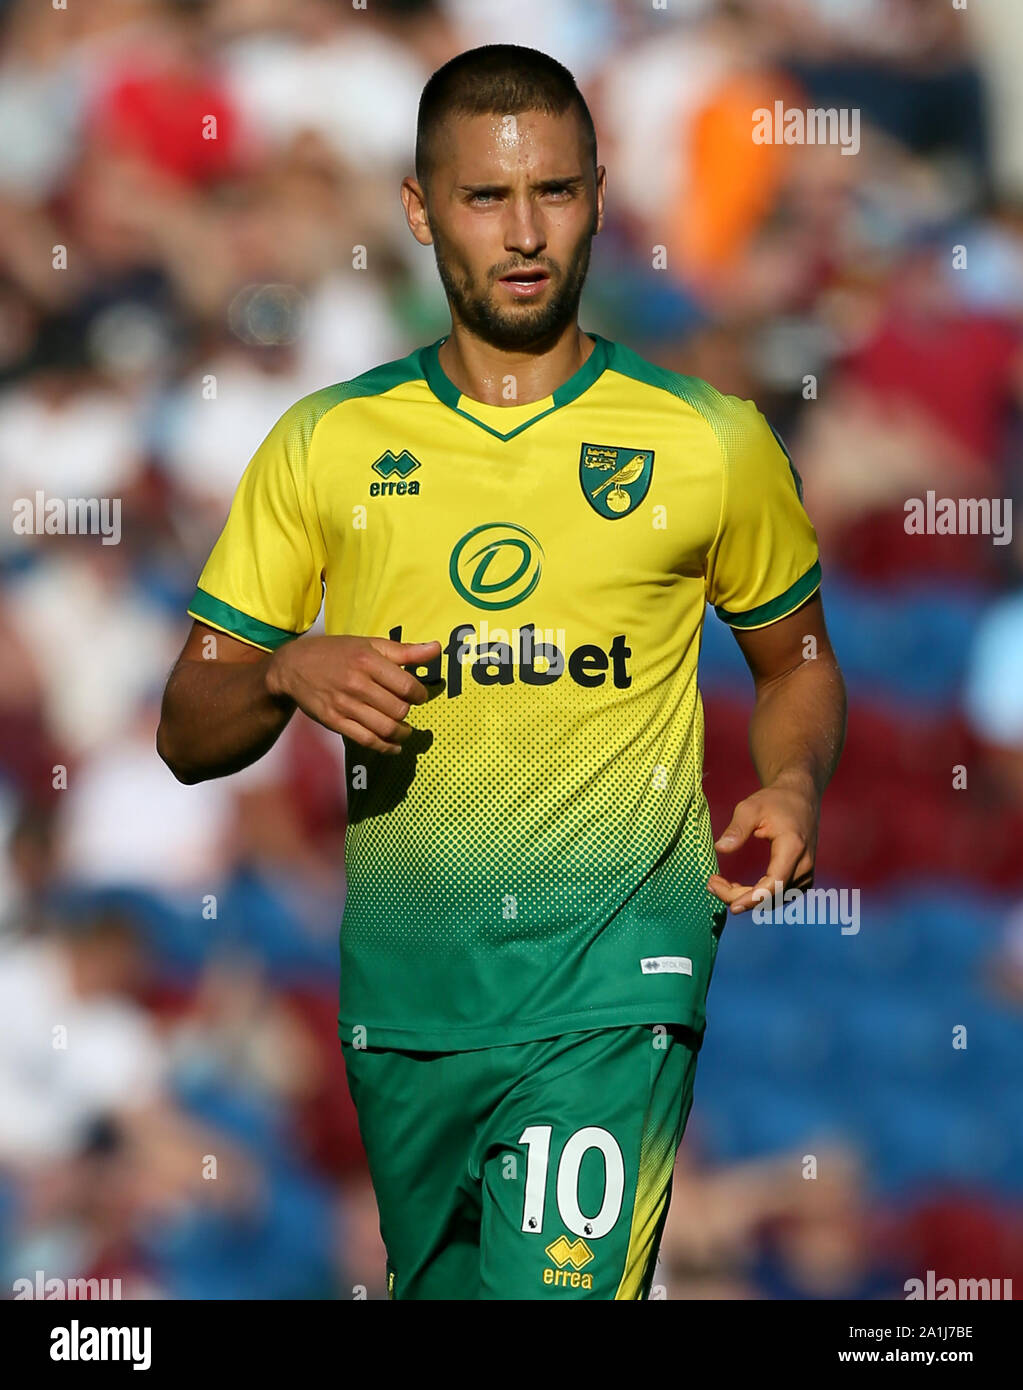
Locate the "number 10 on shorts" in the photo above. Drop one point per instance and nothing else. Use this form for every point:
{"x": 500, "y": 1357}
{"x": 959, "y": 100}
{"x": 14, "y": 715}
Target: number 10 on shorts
{"x": 537, "y": 1139}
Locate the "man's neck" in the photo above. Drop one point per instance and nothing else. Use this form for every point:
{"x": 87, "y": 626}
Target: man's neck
{"x": 498, "y": 377}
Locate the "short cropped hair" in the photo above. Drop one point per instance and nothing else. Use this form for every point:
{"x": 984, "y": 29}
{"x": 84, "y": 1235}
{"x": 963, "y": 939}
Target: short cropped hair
{"x": 499, "y": 78}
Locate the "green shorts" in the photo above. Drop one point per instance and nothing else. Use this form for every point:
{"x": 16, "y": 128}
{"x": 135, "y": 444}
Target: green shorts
{"x": 529, "y": 1171}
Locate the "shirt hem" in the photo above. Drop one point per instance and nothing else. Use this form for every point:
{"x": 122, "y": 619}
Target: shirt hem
{"x": 474, "y": 1037}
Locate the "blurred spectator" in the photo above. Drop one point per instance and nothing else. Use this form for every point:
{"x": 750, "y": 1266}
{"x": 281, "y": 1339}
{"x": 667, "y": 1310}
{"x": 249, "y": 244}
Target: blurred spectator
{"x": 354, "y": 79}
{"x": 74, "y": 1048}
{"x": 162, "y": 102}
{"x": 122, "y": 823}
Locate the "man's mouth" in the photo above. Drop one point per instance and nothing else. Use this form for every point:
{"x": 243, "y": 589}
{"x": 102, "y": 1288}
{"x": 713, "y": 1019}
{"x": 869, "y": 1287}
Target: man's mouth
{"x": 523, "y": 284}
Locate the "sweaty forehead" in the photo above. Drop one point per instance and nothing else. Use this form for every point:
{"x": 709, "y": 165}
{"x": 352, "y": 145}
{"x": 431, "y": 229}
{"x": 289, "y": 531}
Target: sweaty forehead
{"x": 476, "y": 148}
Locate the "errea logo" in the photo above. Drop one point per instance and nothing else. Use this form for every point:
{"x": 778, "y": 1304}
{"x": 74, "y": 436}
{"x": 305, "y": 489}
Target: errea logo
{"x": 564, "y": 1252}
{"x": 666, "y": 965}
{"x": 389, "y": 464}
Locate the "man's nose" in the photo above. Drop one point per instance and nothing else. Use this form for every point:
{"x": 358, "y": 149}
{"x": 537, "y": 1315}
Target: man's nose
{"x": 524, "y": 230}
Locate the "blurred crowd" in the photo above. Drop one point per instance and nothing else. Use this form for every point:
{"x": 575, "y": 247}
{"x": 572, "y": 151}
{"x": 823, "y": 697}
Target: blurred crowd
{"x": 199, "y": 223}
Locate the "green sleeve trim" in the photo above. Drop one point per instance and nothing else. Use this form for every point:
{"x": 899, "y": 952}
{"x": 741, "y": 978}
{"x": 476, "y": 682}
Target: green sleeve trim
{"x": 779, "y": 607}
{"x": 792, "y": 467}
{"x": 237, "y": 624}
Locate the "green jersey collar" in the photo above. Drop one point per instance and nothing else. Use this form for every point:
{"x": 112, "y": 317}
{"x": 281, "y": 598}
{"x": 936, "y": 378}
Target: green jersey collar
{"x": 448, "y": 393}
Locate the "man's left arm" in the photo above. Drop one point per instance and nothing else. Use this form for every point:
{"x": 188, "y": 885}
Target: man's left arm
{"x": 796, "y": 734}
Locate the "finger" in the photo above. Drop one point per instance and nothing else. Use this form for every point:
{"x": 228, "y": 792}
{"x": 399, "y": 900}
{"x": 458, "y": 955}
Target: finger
{"x": 356, "y": 732}
{"x": 761, "y": 892}
{"x": 719, "y": 881}
{"x": 366, "y": 738}
{"x": 393, "y": 677}
{"x": 802, "y": 881}
{"x": 724, "y": 889}
{"x": 386, "y": 729}
{"x": 805, "y": 867}
{"x": 361, "y": 686}
{"x": 745, "y": 819}
{"x": 787, "y": 849}
{"x": 406, "y": 653}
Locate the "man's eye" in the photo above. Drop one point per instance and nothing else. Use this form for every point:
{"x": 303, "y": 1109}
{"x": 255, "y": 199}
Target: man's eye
{"x": 482, "y": 198}
{"x": 560, "y": 191}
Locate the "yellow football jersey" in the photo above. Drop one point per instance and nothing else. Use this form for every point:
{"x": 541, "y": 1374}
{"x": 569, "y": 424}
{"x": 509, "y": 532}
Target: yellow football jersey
{"x": 535, "y": 860}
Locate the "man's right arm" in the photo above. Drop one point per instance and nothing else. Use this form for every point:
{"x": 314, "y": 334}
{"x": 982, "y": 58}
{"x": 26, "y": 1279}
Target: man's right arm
{"x": 227, "y": 702}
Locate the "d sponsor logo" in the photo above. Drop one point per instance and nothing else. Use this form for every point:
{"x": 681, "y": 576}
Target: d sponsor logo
{"x": 496, "y": 565}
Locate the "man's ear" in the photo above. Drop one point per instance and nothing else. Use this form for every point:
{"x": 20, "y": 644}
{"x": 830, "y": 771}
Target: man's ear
{"x": 413, "y": 200}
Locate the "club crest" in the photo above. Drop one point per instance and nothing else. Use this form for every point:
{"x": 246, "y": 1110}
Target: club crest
{"x": 615, "y": 480}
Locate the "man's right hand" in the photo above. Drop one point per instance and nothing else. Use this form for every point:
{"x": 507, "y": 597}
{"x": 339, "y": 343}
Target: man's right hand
{"x": 353, "y": 685}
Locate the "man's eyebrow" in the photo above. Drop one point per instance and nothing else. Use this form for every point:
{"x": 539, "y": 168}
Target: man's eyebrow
{"x": 565, "y": 181}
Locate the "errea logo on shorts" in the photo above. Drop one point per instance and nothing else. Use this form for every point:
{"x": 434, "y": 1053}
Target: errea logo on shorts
{"x": 666, "y": 965}
{"x": 564, "y": 1252}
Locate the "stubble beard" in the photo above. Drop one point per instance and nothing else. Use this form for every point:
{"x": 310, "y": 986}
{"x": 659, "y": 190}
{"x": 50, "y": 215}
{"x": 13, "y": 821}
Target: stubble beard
{"x": 519, "y": 327}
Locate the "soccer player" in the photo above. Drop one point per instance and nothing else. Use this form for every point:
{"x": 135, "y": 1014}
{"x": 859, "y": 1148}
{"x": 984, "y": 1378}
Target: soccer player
{"x": 515, "y": 532}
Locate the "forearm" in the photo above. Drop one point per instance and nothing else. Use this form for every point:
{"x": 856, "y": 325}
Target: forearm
{"x": 798, "y": 726}
{"x": 218, "y": 718}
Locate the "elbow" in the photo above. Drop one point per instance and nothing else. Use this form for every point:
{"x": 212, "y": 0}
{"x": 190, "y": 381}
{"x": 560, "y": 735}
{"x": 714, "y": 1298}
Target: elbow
{"x": 169, "y": 755}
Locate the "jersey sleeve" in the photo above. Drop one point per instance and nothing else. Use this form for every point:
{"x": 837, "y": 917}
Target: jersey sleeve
{"x": 764, "y": 561}
{"x": 263, "y": 581}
